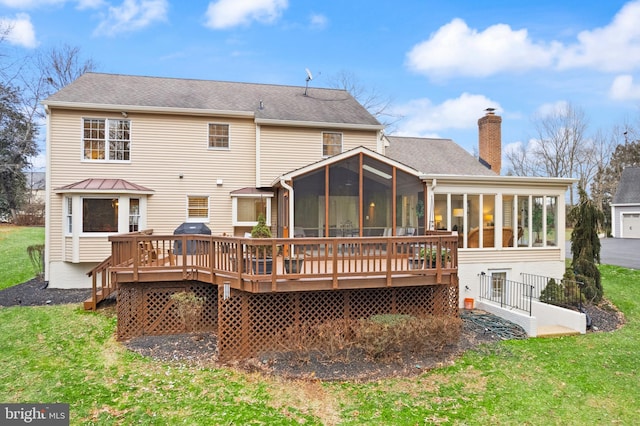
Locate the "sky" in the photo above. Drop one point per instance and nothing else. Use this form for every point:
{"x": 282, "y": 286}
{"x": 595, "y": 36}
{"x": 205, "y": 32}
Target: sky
{"x": 440, "y": 64}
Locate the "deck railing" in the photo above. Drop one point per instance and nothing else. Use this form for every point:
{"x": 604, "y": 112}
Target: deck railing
{"x": 106, "y": 287}
{"x": 216, "y": 258}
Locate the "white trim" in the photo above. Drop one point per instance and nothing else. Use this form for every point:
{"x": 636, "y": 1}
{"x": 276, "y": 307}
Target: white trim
{"x": 107, "y": 141}
{"x": 326, "y": 125}
{"x": 197, "y": 219}
{"x": 339, "y": 157}
{"x": 234, "y": 209}
{"x": 474, "y": 180}
{"x": 258, "y": 156}
{"x": 218, "y": 148}
{"x": 146, "y": 109}
{"x": 322, "y": 154}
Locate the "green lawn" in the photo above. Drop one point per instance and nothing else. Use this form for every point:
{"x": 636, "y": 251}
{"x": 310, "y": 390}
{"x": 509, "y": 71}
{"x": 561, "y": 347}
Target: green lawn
{"x": 15, "y": 266}
{"x": 63, "y": 354}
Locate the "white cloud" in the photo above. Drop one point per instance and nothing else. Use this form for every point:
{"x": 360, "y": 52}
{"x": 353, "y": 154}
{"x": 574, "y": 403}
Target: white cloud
{"x": 455, "y": 49}
{"x": 132, "y": 15}
{"x": 318, "y": 21}
{"x": 90, "y": 4}
{"x": 230, "y": 13}
{"x": 553, "y": 108}
{"x": 29, "y": 4}
{"x": 34, "y": 4}
{"x": 20, "y": 30}
{"x": 623, "y": 89}
{"x": 423, "y": 118}
{"x": 615, "y": 47}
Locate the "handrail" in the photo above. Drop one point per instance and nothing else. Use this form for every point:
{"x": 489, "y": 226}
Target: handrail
{"x": 509, "y": 294}
{"x": 249, "y": 258}
{"x": 101, "y": 269}
{"x": 566, "y": 293}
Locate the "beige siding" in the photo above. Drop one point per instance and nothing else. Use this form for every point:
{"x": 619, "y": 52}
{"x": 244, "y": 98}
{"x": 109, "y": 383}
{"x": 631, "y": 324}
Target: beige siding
{"x": 162, "y": 148}
{"x": 93, "y": 248}
{"x": 283, "y": 149}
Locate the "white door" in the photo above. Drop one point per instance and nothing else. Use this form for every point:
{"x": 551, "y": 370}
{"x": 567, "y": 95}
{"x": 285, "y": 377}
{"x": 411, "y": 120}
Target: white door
{"x": 630, "y": 225}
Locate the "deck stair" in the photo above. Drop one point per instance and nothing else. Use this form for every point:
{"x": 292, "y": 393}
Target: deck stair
{"x": 99, "y": 292}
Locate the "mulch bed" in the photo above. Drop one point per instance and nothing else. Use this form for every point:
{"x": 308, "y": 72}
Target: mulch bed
{"x": 200, "y": 348}
{"x": 36, "y": 293}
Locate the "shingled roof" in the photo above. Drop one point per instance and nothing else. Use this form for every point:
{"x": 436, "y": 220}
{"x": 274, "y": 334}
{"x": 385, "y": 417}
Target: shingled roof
{"x": 262, "y": 101}
{"x": 628, "y": 191}
{"x": 435, "y": 156}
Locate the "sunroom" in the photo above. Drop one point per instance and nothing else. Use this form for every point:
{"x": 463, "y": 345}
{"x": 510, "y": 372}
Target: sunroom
{"x": 358, "y": 193}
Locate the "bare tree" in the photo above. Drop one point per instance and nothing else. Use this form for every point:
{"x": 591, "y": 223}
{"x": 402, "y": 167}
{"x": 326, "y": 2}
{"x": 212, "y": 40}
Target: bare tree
{"x": 559, "y": 149}
{"x": 521, "y": 162}
{"x": 626, "y": 152}
{"x": 24, "y": 82}
{"x": 62, "y": 65}
{"x": 377, "y": 104}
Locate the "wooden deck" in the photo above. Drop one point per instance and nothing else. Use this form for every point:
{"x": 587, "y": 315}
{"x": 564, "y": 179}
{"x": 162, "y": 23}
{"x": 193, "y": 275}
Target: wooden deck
{"x": 283, "y": 265}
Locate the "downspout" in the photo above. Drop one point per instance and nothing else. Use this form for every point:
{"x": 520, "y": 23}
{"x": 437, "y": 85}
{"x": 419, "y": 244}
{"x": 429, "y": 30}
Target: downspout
{"x": 47, "y": 197}
{"x": 258, "y": 157}
{"x": 432, "y": 199}
{"x": 289, "y": 188}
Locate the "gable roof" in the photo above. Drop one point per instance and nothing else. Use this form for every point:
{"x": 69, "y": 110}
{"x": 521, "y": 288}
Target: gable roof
{"x": 628, "y": 191}
{"x": 266, "y": 102}
{"x": 435, "y": 156}
{"x": 344, "y": 155}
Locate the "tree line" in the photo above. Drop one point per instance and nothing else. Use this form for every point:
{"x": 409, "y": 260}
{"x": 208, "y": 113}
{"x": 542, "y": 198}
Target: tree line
{"x": 24, "y": 83}
{"x": 561, "y": 147}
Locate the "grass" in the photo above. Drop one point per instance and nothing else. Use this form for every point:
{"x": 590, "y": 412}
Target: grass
{"x": 63, "y": 354}
{"x": 15, "y": 265}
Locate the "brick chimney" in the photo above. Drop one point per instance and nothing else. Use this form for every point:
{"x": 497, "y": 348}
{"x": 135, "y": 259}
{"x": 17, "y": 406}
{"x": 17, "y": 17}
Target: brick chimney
{"x": 490, "y": 140}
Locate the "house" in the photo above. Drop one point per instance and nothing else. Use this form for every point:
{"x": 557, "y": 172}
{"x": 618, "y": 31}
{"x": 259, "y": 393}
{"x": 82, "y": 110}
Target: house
{"x": 131, "y": 153}
{"x": 625, "y": 207}
{"x": 127, "y": 153}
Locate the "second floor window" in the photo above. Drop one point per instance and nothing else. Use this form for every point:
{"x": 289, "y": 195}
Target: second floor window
{"x": 218, "y": 135}
{"x": 108, "y": 140}
{"x": 331, "y": 143}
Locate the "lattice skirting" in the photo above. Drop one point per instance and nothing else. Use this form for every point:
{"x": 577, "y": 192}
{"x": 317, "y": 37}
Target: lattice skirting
{"x": 249, "y": 323}
{"x": 147, "y": 309}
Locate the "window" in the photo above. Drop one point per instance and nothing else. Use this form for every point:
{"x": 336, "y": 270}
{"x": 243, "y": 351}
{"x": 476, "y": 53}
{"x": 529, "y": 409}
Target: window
{"x": 134, "y": 215}
{"x": 119, "y": 139}
{"x": 218, "y": 135}
{"x": 246, "y": 210}
{"x": 99, "y": 215}
{"x": 498, "y": 285}
{"x": 551, "y": 204}
{"x": 198, "y": 208}
{"x": 95, "y": 139}
{"x": 331, "y": 143}
{"x": 69, "y": 212}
